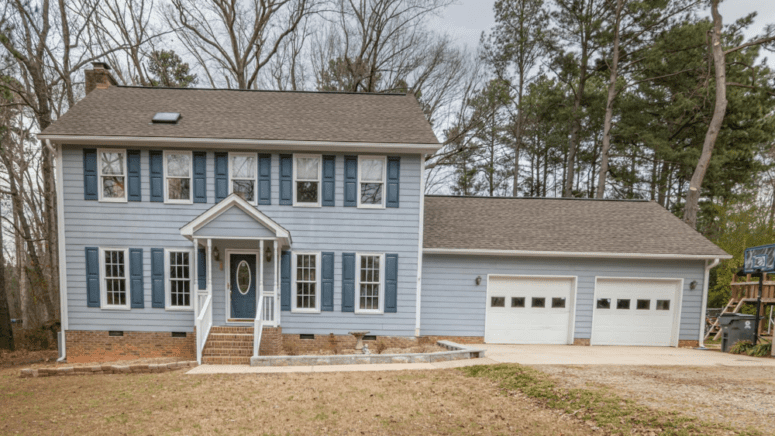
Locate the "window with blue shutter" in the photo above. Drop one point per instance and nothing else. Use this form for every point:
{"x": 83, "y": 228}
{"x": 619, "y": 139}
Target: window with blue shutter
{"x": 157, "y": 278}
{"x": 329, "y": 180}
{"x": 92, "y": 276}
{"x": 327, "y": 282}
{"x": 351, "y": 181}
{"x": 265, "y": 179}
{"x": 285, "y": 281}
{"x": 201, "y": 268}
{"x": 286, "y": 179}
{"x": 221, "y": 176}
{"x": 393, "y": 175}
{"x": 136, "y": 285}
{"x": 133, "y": 170}
{"x": 391, "y": 283}
{"x": 90, "y": 174}
{"x": 348, "y": 282}
{"x": 156, "y": 169}
{"x": 200, "y": 177}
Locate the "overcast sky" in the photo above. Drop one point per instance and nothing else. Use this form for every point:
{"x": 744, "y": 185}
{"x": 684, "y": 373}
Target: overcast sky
{"x": 467, "y": 20}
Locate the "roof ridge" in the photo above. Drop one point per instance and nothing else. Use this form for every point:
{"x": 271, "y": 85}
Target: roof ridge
{"x": 623, "y": 200}
{"x": 390, "y": 94}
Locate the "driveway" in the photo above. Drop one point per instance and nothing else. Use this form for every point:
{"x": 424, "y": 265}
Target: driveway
{"x": 607, "y": 355}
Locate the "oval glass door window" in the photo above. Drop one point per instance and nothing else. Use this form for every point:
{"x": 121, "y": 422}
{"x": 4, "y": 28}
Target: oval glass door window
{"x": 243, "y": 277}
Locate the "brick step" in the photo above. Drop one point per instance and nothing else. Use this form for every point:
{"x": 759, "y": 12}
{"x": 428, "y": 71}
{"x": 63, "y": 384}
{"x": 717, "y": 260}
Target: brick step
{"x": 238, "y": 330}
{"x": 228, "y": 344}
{"x": 227, "y": 352}
{"x": 226, "y": 360}
{"x": 229, "y": 337}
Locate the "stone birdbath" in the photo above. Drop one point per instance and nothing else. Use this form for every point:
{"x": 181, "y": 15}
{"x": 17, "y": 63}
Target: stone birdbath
{"x": 359, "y": 337}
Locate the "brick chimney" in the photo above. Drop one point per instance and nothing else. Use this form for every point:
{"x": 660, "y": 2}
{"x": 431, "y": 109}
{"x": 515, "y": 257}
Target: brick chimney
{"x": 98, "y": 77}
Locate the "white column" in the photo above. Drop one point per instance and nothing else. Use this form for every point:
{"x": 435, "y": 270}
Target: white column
{"x": 195, "y": 279}
{"x": 276, "y": 284}
{"x": 209, "y": 266}
{"x": 260, "y": 273}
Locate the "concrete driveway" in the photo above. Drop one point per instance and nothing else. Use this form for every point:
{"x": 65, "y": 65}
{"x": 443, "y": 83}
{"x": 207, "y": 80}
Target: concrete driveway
{"x": 608, "y": 355}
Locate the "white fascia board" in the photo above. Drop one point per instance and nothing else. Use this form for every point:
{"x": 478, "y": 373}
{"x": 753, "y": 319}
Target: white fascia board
{"x": 525, "y": 253}
{"x": 246, "y": 144}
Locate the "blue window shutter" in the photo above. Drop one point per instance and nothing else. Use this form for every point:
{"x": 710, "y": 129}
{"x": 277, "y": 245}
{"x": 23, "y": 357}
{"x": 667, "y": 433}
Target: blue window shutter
{"x": 350, "y": 181}
{"x": 329, "y": 180}
{"x": 90, "y": 176}
{"x": 133, "y": 170}
{"x": 200, "y": 177}
{"x": 92, "y": 277}
{"x": 221, "y": 176}
{"x": 156, "y": 165}
{"x": 285, "y": 281}
{"x": 393, "y": 174}
{"x": 391, "y": 283}
{"x": 265, "y": 179}
{"x": 348, "y": 282}
{"x": 136, "y": 285}
{"x": 201, "y": 268}
{"x": 157, "y": 277}
{"x": 286, "y": 179}
{"x": 327, "y": 282}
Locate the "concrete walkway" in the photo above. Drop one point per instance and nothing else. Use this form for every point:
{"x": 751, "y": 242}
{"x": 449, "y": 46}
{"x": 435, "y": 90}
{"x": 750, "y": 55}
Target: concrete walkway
{"x": 530, "y": 355}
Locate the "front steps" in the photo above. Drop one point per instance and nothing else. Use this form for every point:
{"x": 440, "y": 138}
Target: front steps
{"x": 228, "y": 346}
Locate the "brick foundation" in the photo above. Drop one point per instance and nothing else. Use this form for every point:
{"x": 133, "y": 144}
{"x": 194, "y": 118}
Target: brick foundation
{"x": 582, "y": 342}
{"x": 688, "y": 344}
{"x": 98, "y": 346}
{"x": 271, "y": 341}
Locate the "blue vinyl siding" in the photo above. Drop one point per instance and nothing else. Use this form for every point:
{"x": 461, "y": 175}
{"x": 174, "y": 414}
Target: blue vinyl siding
{"x": 234, "y": 223}
{"x": 452, "y": 303}
{"x": 150, "y": 225}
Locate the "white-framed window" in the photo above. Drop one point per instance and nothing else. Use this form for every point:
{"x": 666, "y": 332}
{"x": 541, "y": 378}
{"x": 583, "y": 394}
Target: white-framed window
{"x": 113, "y": 174}
{"x": 371, "y": 181}
{"x": 306, "y": 282}
{"x": 243, "y": 170}
{"x": 370, "y": 283}
{"x": 178, "y": 187}
{"x": 307, "y": 170}
{"x": 114, "y": 286}
{"x": 178, "y": 279}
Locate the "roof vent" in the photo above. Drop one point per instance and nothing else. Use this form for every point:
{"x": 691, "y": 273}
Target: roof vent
{"x": 166, "y": 118}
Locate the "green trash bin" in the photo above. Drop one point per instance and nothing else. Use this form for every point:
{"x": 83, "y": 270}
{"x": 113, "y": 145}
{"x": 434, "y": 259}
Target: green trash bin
{"x": 736, "y": 327}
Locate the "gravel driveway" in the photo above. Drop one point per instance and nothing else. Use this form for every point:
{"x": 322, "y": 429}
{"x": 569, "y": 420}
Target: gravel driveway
{"x": 741, "y": 397}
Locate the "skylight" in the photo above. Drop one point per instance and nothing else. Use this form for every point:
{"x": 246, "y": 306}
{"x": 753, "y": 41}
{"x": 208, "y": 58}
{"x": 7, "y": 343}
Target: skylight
{"x": 166, "y": 117}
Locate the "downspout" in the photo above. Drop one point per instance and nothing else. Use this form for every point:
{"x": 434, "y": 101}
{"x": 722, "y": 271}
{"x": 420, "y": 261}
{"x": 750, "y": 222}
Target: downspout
{"x": 63, "y": 315}
{"x": 705, "y": 302}
{"x": 419, "y": 247}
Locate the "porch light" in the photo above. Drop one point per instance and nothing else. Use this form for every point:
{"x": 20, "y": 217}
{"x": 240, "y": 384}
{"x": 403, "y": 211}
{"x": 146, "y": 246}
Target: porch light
{"x": 268, "y": 253}
{"x": 478, "y": 280}
{"x": 693, "y": 285}
{"x": 216, "y": 254}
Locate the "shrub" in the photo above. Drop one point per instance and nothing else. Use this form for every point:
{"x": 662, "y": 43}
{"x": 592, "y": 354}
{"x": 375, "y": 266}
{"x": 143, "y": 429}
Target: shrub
{"x": 761, "y": 350}
{"x": 741, "y": 347}
{"x": 380, "y": 346}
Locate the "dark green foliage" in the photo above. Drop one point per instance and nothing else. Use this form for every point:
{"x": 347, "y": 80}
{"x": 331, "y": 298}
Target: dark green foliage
{"x": 169, "y": 71}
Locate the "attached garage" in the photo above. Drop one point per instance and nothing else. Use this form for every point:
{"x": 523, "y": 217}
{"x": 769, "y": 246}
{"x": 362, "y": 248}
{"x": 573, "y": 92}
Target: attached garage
{"x": 632, "y": 311}
{"x": 530, "y": 310}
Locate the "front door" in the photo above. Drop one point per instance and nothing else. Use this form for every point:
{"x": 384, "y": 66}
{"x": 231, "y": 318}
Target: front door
{"x": 243, "y": 285}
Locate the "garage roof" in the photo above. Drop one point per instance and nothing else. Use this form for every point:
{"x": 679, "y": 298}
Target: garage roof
{"x": 558, "y": 227}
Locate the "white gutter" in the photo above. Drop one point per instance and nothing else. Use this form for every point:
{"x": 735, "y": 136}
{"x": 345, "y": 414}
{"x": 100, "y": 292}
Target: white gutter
{"x": 253, "y": 144}
{"x": 715, "y": 262}
{"x": 63, "y": 318}
{"x": 527, "y": 253}
{"x": 419, "y": 245}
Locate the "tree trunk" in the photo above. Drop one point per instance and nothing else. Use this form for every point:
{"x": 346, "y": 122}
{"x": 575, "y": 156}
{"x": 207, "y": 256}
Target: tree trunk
{"x": 6, "y": 331}
{"x": 719, "y": 61}
{"x": 575, "y": 127}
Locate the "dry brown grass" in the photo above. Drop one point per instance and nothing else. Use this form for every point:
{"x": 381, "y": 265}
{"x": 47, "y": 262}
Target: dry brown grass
{"x": 407, "y": 403}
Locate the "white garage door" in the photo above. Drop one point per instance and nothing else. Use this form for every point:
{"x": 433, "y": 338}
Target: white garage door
{"x": 636, "y": 312}
{"x": 529, "y": 310}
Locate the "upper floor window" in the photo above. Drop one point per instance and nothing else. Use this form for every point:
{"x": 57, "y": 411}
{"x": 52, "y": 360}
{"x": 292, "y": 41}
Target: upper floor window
{"x": 114, "y": 280}
{"x": 112, "y": 167}
{"x": 306, "y": 282}
{"x": 242, "y": 171}
{"x": 370, "y": 279}
{"x": 371, "y": 183}
{"x": 306, "y": 180}
{"x": 179, "y": 279}
{"x": 177, "y": 176}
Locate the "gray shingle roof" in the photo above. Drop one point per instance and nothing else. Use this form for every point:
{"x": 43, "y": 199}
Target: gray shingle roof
{"x": 560, "y": 225}
{"x": 263, "y": 115}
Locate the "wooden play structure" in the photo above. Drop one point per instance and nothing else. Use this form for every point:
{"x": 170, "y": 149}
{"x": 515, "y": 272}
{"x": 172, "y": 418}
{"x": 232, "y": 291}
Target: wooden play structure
{"x": 744, "y": 291}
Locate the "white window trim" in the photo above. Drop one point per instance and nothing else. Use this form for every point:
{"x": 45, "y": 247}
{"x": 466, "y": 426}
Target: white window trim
{"x": 318, "y": 271}
{"x": 104, "y": 284}
{"x": 192, "y": 279}
{"x": 381, "y": 309}
{"x": 100, "y": 175}
{"x": 190, "y": 177}
{"x": 319, "y": 180}
{"x": 384, "y": 181}
{"x": 255, "y": 172}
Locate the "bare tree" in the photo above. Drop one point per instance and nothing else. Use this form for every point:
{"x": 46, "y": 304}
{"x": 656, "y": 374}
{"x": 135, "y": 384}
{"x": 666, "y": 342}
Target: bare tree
{"x": 233, "y": 40}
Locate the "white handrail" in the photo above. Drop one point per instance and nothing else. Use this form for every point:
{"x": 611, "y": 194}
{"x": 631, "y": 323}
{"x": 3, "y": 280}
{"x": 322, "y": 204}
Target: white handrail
{"x": 258, "y": 324}
{"x": 203, "y": 324}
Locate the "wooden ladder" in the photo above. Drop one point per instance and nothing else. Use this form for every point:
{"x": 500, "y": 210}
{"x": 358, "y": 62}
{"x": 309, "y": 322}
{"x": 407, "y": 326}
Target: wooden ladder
{"x": 716, "y": 328}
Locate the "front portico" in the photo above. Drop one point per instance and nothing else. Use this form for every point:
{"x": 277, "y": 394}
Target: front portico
{"x": 235, "y": 239}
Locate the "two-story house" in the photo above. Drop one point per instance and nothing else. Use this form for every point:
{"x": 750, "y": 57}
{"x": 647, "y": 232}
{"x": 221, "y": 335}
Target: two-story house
{"x": 191, "y": 219}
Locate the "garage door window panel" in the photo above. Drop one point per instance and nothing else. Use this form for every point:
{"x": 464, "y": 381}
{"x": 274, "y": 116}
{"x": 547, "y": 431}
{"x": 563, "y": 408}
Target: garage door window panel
{"x": 558, "y": 303}
{"x": 603, "y": 303}
{"x": 517, "y": 301}
{"x": 498, "y": 302}
{"x": 644, "y": 304}
{"x": 663, "y": 304}
{"x": 623, "y": 304}
{"x": 539, "y": 302}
